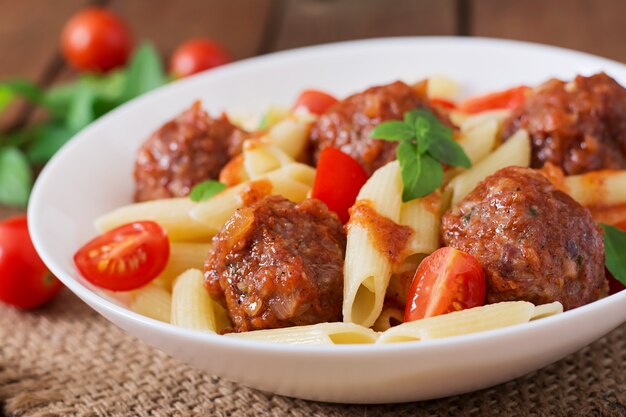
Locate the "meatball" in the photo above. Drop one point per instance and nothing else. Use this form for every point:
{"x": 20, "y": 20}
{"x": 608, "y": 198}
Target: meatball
{"x": 579, "y": 126}
{"x": 535, "y": 243}
{"x": 347, "y": 124}
{"x": 278, "y": 264}
{"x": 187, "y": 150}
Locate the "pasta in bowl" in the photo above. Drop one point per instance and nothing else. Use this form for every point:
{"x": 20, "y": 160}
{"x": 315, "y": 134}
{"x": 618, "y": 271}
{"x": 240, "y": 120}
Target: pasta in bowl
{"x": 339, "y": 288}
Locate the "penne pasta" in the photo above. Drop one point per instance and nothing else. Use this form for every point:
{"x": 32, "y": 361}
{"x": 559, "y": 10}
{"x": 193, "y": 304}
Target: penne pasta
{"x": 366, "y": 270}
{"x": 323, "y": 334}
{"x": 192, "y": 307}
{"x": 390, "y": 317}
{"x": 489, "y": 317}
{"x": 172, "y": 214}
{"x": 292, "y": 181}
{"x": 546, "y": 310}
{"x": 439, "y": 86}
{"x": 474, "y": 121}
{"x": 260, "y": 158}
{"x": 183, "y": 256}
{"x": 479, "y": 141}
{"x": 514, "y": 152}
{"x": 289, "y": 135}
{"x": 152, "y": 301}
{"x": 423, "y": 216}
{"x": 598, "y": 188}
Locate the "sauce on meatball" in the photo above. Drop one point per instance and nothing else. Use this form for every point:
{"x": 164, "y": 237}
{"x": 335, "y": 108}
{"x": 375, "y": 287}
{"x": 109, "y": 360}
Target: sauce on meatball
{"x": 278, "y": 264}
{"x": 189, "y": 149}
{"x": 579, "y": 126}
{"x": 534, "y": 242}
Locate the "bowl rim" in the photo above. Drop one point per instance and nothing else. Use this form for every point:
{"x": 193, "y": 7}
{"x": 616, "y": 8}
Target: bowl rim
{"x": 36, "y": 204}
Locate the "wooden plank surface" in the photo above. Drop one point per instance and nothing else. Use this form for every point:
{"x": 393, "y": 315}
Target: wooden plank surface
{"x": 593, "y": 26}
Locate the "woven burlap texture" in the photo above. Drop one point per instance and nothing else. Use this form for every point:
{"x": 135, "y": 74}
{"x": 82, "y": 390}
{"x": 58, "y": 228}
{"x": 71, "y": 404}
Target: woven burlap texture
{"x": 66, "y": 360}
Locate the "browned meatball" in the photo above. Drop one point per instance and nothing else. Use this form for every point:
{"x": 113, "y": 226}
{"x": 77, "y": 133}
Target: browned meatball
{"x": 187, "y": 150}
{"x": 347, "y": 124}
{"x": 534, "y": 242}
{"x": 579, "y": 126}
{"x": 278, "y": 264}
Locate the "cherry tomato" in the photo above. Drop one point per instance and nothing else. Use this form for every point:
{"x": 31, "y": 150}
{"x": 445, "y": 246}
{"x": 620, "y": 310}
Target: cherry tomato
{"x": 338, "y": 180}
{"x": 125, "y": 258}
{"x": 197, "y": 55}
{"x": 614, "y": 285}
{"x": 506, "y": 99}
{"x": 447, "y": 104}
{"x": 25, "y": 282}
{"x": 315, "y": 101}
{"x": 96, "y": 39}
{"x": 446, "y": 281}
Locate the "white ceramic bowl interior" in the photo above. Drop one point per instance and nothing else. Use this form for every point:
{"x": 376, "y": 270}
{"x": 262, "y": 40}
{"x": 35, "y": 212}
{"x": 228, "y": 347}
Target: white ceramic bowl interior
{"x": 93, "y": 174}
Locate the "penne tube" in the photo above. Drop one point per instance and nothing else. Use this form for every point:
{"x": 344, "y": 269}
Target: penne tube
{"x": 547, "y": 310}
{"x": 598, "y": 188}
{"x": 439, "y": 86}
{"x": 260, "y": 158}
{"x": 152, "y": 301}
{"x": 497, "y": 116}
{"x": 322, "y": 334}
{"x": 423, "y": 216}
{"x": 479, "y": 141}
{"x": 172, "y": 214}
{"x": 289, "y": 135}
{"x": 477, "y": 319}
{"x": 514, "y": 152}
{"x": 390, "y": 317}
{"x": 183, "y": 256}
{"x": 192, "y": 307}
{"x": 366, "y": 269}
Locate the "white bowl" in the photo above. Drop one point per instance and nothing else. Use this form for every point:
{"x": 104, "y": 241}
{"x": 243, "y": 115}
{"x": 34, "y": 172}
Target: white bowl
{"x": 93, "y": 174}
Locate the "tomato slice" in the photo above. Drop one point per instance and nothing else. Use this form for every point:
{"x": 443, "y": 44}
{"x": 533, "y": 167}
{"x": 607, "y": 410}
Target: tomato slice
{"x": 338, "y": 180}
{"x": 614, "y": 285}
{"x": 315, "y": 101}
{"x": 125, "y": 258}
{"x": 446, "y": 281}
{"x": 442, "y": 102}
{"x": 506, "y": 99}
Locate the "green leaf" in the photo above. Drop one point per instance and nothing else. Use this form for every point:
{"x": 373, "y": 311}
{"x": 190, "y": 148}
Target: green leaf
{"x": 615, "y": 252}
{"x": 393, "y": 130}
{"x": 205, "y": 190}
{"x": 422, "y": 129}
{"x": 429, "y": 179}
{"x": 81, "y": 110}
{"x": 410, "y": 169}
{"x": 145, "y": 72}
{"x": 48, "y": 139}
{"x": 449, "y": 152}
{"x": 16, "y": 177}
{"x": 10, "y": 90}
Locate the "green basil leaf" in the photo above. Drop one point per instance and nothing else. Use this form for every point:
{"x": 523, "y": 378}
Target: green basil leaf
{"x": 10, "y": 90}
{"x": 393, "y": 130}
{"x": 410, "y": 168}
{"x": 422, "y": 129}
{"x": 145, "y": 72}
{"x": 205, "y": 190}
{"x": 80, "y": 112}
{"x": 615, "y": 252}
{"x": 430, "y": 177}
{"x": 16, "y": 178}
{"x": 449, "y": 152}
{"x": 48, "y": 139}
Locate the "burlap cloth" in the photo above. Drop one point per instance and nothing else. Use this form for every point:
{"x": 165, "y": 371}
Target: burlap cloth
{"x": 65, "y": 360}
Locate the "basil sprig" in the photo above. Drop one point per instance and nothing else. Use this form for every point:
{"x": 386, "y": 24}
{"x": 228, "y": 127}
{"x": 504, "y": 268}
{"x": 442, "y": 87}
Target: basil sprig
{"x": 205, "y": 190}
{"x": 425, "y": 144}
{"x": 615, "y": 252}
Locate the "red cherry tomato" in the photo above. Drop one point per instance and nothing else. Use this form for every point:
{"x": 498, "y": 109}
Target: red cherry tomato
{"x": 446, "y": 281}
{"x": 506, "y": 99}
{"x": 338, "y": 180}
{"x": 125, "y": 258}
{"x": 446, "y": 104}
{"x": 96, "y": 39}
{"x": 315, "y": 101}
{"x": 614, "y": 285}
{"x": 25, "y": 282}
{"x": 197, "y": 55}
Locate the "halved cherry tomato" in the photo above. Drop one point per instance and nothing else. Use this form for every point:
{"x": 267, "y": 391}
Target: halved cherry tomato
{"x": 442, "y": 102}
{"x": 338, "y": 180}
{"x": 25, "y": 282}
{"x": 126, "y": 257}
{"x": 506, "y": 99}
{"x": 197, "y": 55}
{"x": 315, "y": 101}
{"x": 614, "y": 285}
{"x": 446, "y": 281}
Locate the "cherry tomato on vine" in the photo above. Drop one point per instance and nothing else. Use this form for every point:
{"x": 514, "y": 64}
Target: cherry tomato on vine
{"x": 446, "y": 281}
{"x": 96, "y": 39}
{"x": 338, "y": 180}
{"x": 197, "y": 55}
{"x": 315, "y": 101}
{"x": 124, "y": 258}
{"x": 25, "y": 282}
